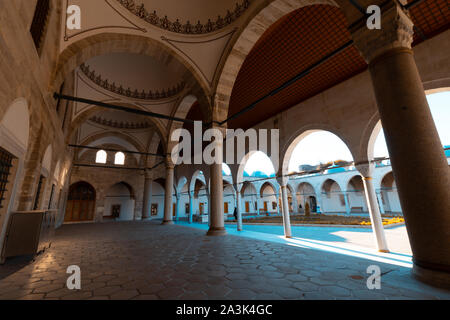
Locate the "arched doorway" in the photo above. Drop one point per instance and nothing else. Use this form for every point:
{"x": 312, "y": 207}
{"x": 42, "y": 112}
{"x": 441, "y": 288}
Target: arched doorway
{"x": 333, "y": 199}
{"x": 271, "y": 202}
{"x": 306, "y": 194}
{"x": 81, "y": 203}
{"x": 120, "y": 202}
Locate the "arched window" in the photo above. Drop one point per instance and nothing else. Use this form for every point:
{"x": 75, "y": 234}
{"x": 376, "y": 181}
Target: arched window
{"x": 119, "y": 159}
{"x": 101, "y": 157}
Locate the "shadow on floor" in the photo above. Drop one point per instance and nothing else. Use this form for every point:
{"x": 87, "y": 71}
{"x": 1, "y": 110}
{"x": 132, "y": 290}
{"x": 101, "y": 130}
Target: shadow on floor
{"x": 12, "y": 265}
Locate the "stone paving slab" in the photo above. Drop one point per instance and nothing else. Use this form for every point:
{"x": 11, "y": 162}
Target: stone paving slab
{"x": 144, "y": 260}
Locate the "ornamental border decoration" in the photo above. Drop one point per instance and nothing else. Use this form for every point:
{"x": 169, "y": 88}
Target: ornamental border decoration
{"x": 150, "y": 95}
{"x": 120, "y": 124}
{"x": 187, "y": 28}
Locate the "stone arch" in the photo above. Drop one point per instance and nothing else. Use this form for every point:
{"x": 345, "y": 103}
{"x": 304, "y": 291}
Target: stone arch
{"x": 108, "y": 42}
{"x": 198, "y": 175}
{"x": 368, "y": 139}
{"x": 182, "y": 111}
{"x": 327, "y": 184}
{"x": 15, "y": 127}
{"x": 388, "y": 180}
{"x": 302, "y": 133}
{"x": 306, "y": 191}
{"x": 127, "y": 185}
{"x": 89, "y": 196}
{"x": 47, "y": 160}
{"x": 57, "y": 171}
{"x": 250, "y": 195}
{"x": 374, "y": 127}
{"x": 181, "y": 183}
{"x": 268, "y": 184}
{"x": 261, "y": 20}
{"x": 129, "y": 139}
{"x": 241, "y": 168}
{"x": 120, "y": 201}
{"x": 91, "y": 111}
{"x": 248, "y": 184}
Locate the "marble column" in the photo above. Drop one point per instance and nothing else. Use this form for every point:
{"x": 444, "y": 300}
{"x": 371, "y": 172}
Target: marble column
{"x": 238, "y": 188}
{"x": 294, "y": 204}
{"x": 146, "y": 208}
{"x": 285, "y": 207}
{"x": 191, "y": 205}
{"x": 279, "y": 204}
{"x": 217, "y": 223}
{"x": 418, "y": 161}
{"x": 168, "y": 202}
{"x": 347, "y": 203}
{"x": 177, "y": 206}
{"x": 366, "y": 172}
{"x": 319, "y": 203}
{"x": 257, "y": 204}
{"x": 380, "y": 202}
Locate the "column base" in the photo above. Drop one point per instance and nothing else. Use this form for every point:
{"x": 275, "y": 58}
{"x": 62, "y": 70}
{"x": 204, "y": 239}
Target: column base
{"x": 435, "y": 278}
{"x": 216, "y": 232}
{"x": 384, "y": 251}
{"x": 167, "y": 222}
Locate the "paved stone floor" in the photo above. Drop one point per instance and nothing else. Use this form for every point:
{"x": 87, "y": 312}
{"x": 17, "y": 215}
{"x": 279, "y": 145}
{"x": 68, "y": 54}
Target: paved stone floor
{"x": 144, "y": 260}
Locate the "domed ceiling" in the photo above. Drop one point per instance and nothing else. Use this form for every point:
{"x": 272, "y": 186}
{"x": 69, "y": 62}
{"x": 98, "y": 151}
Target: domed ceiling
{"x": 137, "y": 72}
{"x": 193, "y": 16}
{"x": 121, "y": 120}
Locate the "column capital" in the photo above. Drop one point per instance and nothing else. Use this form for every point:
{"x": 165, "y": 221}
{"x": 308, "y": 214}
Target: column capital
{"x": 221, "y": 128}
{"x": 148, "y": 174}
{"x": 396, "y": 33}
{"x": 169, "y": 163}
{"x": 366, "y": 170}
{"x": 238, "y": 187}
{"x": 282, "y": 181}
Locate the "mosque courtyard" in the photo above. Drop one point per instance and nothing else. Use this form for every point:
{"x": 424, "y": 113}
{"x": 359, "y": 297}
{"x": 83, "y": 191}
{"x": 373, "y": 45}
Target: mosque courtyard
{"x": 147, "y": 261}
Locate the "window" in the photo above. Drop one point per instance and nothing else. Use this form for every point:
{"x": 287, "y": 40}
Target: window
{"x": 39, "y": 22}
{"x": 5, "y": 165}
{"x": 51, "y": 197}
{"x": 119, "y": 159}
{"x": 37, "y": 198}
{"x": 101, "y": 157}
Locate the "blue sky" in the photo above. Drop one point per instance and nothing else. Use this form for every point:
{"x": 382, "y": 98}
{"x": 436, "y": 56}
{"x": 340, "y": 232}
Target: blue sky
{"x": 324, "y": 146}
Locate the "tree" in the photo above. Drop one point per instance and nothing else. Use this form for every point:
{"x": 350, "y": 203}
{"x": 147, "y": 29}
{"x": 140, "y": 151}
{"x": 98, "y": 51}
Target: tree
{"x": 307, "y": 210}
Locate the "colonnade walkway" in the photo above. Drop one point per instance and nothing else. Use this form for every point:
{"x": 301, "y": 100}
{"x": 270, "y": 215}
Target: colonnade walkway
{"x": 351, "y": 237}
{"x": 145, "y": 260}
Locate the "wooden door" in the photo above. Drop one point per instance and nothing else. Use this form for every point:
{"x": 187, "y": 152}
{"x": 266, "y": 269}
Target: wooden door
{"x": 81, "y": 203}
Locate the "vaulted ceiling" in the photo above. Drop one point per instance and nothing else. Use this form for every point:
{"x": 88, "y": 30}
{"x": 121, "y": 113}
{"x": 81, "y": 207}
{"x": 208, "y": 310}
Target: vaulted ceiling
{"x": 302, "y": 39}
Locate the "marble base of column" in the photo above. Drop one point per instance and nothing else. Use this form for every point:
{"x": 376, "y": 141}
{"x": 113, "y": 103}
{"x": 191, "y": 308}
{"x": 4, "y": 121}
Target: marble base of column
{"x": 216, "y": 231}
{"x": 431, "y": 276}
{"x": 217, "y": 223}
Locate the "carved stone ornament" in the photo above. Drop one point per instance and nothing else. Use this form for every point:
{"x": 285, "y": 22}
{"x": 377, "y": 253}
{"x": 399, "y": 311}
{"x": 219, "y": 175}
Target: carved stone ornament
{"x": 396, "y": 32}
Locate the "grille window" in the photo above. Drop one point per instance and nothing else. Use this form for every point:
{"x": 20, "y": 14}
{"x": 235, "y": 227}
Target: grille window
{"x": 38, "y": 193}
{"x": 39, "y": 22}
{"x": 5, "y": 168}
{"x": 51, "y": 197}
